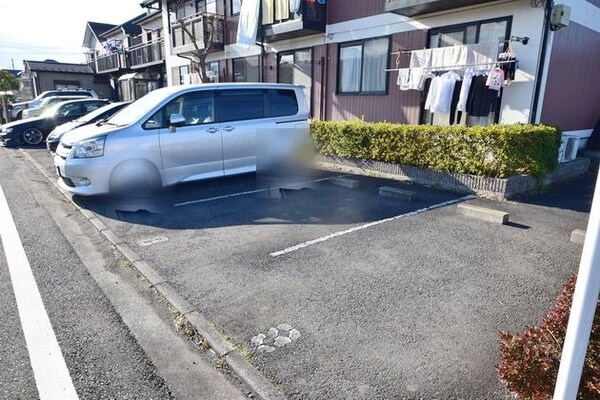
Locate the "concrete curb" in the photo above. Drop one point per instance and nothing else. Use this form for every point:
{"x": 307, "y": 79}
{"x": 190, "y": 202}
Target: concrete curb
{"x": 247, "y": 372}
{"x": 578, "y": 236}
{"x": 483, "y": 213}
{"x": 345, "y": 182}
{"x": 406, "y": 195}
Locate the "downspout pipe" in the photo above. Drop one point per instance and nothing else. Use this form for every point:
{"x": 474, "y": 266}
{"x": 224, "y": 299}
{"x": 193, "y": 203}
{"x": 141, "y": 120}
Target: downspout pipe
{"x": 542, "y": 62}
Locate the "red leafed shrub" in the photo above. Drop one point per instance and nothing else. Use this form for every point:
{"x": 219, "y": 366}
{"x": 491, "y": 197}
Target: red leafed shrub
{"x": 530, "y": 360}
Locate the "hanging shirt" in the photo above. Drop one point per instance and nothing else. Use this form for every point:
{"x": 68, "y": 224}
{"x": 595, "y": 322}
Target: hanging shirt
{"x": 432, "y": 93}
{"x": 464, "y": 90}
{"x": 439, "y": 97}
{"x": 495, "y": 78}
{"x": 481, "y": 98}
{"x": 443, "y": 97}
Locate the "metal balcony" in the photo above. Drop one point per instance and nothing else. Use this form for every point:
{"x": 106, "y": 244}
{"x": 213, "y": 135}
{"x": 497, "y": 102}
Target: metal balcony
{"x": 413, "y": 8}
{"x": 199, "y": 25}
{"x": 112, "y": 62}
{"x": 146, "y": 54}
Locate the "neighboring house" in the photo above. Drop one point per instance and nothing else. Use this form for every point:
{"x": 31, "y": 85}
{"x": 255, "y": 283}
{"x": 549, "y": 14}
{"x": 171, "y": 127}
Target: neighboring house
{"x": 39, "y": 76}
{"x": 130, "y": 55}
{"x": 349, "y": 54}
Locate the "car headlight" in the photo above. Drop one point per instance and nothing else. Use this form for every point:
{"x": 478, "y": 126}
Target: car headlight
{"x": 90, "y": 148}
{"x": 6, "y": 131}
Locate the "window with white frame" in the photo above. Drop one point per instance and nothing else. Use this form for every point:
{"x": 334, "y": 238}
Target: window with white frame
{"x": 361, "y": 66}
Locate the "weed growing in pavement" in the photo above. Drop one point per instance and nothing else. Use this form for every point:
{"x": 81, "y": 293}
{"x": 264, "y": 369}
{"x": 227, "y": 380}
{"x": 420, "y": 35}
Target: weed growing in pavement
{"x": 183, "y": 326}
{"x": 221, "y": 363}
{"x": 204, "y": 345}
{"x": 239, "y": 347}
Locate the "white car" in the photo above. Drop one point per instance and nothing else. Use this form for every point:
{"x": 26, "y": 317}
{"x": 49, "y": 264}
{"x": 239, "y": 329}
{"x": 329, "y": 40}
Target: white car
{"x": 185, "y": 133}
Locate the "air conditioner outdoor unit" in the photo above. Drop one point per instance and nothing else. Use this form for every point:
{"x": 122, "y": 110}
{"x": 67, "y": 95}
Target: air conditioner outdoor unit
{"x": 568, "y": 148}
{"x": 560, "y": 17}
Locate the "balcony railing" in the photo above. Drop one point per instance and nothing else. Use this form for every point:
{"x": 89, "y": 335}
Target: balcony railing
{"x": 310, "y": 19}
{"x": 110, "y": 62}
{"x": 145, "y": 54}
{"x": 200, "y": 26}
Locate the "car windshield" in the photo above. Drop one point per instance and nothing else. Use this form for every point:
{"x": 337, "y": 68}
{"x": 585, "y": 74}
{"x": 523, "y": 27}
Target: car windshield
{"x": 94, "y": 114}
{"x": 51, "y": 111}
{"x": 137, "y": 109}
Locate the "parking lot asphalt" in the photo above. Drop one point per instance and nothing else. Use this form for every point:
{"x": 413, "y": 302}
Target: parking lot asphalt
{"x": 358, "y": 295}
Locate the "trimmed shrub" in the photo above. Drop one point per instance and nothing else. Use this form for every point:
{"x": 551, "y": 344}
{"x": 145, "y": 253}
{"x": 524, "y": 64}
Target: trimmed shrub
{"x": 530, "y": 360}
{"x": 495, "y": 150}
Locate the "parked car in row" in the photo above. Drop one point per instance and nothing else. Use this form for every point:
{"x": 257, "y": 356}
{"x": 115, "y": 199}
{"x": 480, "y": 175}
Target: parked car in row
{"x": 183, "y": 133}
{"x": 46, "y": 103}
{"x": 97, "y": 116}
{"x": 16, "y": 109}
{"x": 33, "y": 131}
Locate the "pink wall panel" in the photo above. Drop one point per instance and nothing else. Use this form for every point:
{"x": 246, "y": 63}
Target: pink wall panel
{"x": 572, "y": 97}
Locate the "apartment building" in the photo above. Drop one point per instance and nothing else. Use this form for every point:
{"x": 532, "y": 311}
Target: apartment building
{"x": 358, "y": 59}
{"x": 130, "y": 55}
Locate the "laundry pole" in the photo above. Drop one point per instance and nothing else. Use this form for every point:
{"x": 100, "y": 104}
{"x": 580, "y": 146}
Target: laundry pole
{"x": 585, "y": 300}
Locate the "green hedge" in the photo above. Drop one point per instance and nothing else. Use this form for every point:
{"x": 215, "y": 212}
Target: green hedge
{"x": 495, "y": 150}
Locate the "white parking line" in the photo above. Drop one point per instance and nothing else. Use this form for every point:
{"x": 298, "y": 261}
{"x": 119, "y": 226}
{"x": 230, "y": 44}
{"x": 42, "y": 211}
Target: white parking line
{"x": 49, "y": 368}
{"x": 365, "y": 226}
{"x": 248, "y": 192}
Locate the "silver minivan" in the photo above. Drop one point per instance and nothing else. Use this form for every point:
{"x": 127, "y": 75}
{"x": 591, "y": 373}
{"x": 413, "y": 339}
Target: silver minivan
{"x": 184, "y": 133}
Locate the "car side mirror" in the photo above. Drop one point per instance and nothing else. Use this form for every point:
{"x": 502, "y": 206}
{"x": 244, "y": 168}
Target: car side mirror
{"x": 175, "y": 120}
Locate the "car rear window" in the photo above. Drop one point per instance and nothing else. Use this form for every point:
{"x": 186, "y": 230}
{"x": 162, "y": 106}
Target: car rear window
{"x": 282, "y": 103}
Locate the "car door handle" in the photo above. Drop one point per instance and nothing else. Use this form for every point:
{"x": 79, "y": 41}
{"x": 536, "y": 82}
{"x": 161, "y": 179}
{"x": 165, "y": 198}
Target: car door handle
{"x": 212, "y": 130}
{"x": 229, "y": 128}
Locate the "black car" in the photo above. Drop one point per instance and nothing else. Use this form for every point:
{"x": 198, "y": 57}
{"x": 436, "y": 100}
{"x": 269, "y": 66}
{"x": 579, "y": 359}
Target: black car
{"x": 33, "y": 131}
{"x": 103, "y": 113}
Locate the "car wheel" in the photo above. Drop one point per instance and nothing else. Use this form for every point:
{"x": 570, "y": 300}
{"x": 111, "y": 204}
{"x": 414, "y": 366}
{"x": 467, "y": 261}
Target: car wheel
{"x": 135, "y": 180}
{"x": 32, "y": 136}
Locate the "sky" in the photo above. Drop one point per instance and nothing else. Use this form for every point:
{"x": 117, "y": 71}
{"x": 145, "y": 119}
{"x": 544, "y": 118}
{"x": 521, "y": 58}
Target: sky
{"x": 53, "y": 29}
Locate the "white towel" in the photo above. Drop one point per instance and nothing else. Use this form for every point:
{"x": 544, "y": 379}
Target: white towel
{"x": 294, "y": 6}
{"x": 248, "y": 22}
{"x": 403, "y": 78}
{"x": 268, "y": 12}
{"x": 282, "y": 9}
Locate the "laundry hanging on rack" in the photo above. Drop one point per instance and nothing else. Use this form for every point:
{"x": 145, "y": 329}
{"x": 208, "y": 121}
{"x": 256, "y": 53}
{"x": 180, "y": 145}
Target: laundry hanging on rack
{"x": 444, "y": 58}
{"x": 481, "y": 99}
{"x": 495, "y": 79}
{"x": 268, "y": 12}
{"x": 294, "y": 6}
{"x": 441, "y": 89}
